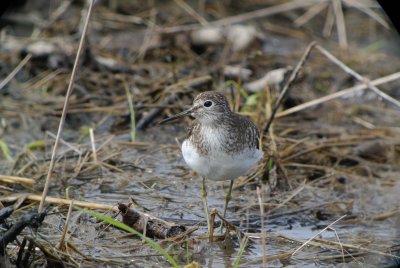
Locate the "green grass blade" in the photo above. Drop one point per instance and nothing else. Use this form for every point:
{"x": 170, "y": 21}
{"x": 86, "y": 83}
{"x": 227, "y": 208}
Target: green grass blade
{"x": 5, "y": 150}
{"x": 270, "y": 163}
{"x": 84, "y": 130}
{"x": 239, "y": 256}
{"x": 37, "y": 144}
{"x": 125, "y": 227}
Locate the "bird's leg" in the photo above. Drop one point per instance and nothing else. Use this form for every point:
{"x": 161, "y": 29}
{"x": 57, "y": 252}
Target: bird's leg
{"x": 228, "y": 197}
{"x": 204, "y": 197}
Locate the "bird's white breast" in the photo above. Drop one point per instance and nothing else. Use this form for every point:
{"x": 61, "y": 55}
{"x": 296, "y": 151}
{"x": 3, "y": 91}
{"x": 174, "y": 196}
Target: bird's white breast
{"x": 217, "y": 164}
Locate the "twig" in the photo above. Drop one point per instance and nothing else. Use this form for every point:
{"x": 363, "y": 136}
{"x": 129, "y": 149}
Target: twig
{"x": 330, "y": 19}
{"x": 61, "y": 9}
{"x": 285, "y": 89}
{"x": 14, "y": 179}
{"x": 385, "y": 215}
{"x": 360, "y": 78}
{"x": 363, "y": 122}
{"x": 41, "y": 80}
{"x": 59, "y": 201}
{"x": 340, "y": 23}
{"x": 65, "y": 143}
{"x": 349, "y": 246}
{"x": 107, "y": 141}
{"x": 191, "y": 12}
{"x": 148, "y": 36}
{"x": 339, "y": 94}
{"x": 310, "y": 13}
{"x": 263, "y": 240}
{"x": 290, "y": 196}
{"x": 11, "y": 75}
{"x": 338, "y": 246}
{"x": 323, "y": 230}
{"x": 64, "y": 233}
{"x": 340, "y": 243}
{"x": 64, "y": 112}
{"x": 256, "y": 14}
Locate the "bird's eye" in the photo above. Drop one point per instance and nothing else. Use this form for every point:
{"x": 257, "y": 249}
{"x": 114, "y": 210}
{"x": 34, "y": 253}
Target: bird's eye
{"x": 208, "y": 103}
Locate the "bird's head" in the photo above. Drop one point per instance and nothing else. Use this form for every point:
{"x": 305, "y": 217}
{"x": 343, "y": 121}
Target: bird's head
{"x": 207, "y": 107}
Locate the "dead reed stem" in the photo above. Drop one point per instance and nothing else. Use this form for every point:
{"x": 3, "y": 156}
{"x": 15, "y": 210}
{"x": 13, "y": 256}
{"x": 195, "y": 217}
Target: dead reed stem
{"x": 65, "y": 229}
{"x": 62, "y": 201}
{"x": 312, "y": 238}
{"x": 11, "y": 75}
{"x": 285, "y": 89}
{"x": 65, "y": 107}
{"x": 256, "y": 14}
{"x": 340, "y": 24}
{"x": 192, "y": 12}
{"x": 360, "y": 78}
{"x": 339, "y": 94}
{"x": 15, "y": 179}
{"x": 263, "y": 236}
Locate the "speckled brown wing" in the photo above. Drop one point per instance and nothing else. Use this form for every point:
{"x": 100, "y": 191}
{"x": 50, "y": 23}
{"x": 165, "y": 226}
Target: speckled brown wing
{"x": 241, "y": 134}
{"x": 252, "y": 135}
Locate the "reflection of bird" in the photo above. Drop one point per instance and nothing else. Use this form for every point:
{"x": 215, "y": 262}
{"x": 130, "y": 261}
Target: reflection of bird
{"x": 221, "y": 145}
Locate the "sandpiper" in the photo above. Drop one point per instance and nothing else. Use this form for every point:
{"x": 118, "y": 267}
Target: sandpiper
{"x": 221, "y": 144}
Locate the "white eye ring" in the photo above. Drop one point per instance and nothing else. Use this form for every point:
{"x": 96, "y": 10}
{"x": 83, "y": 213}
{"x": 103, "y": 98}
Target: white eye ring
{"x": 208, "y": 103}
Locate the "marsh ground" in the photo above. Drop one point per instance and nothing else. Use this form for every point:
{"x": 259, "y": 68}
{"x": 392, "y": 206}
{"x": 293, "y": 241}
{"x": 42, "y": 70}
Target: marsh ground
{"x": 340, "y": 158}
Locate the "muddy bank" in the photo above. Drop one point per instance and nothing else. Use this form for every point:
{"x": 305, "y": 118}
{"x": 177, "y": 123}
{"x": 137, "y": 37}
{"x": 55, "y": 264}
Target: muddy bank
{"x": 324, "y": 159}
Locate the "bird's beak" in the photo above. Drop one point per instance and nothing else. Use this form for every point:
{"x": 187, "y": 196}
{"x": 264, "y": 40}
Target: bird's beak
{"x": 182, "y": 114}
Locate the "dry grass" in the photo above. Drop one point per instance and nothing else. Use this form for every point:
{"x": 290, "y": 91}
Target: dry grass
{"x": 331, "y": 141}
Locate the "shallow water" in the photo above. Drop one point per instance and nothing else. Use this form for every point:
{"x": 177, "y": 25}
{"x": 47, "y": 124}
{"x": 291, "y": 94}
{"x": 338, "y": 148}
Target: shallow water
{"x": 322, "y": 184}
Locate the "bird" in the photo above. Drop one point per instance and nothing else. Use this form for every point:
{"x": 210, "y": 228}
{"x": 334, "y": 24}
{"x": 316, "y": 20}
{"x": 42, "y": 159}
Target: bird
{"x": 220, "y": 144}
